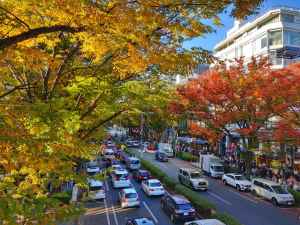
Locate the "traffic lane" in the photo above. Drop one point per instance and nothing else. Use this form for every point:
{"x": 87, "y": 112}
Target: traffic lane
{"x": 246, "y": 209}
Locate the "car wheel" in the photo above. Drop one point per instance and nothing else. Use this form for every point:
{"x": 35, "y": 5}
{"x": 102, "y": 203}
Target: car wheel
{"x": 224, "y": 182}
{"x": 274, "y": 202}
{"x": 254, "y": 193}
{"x": 173, "y": 218}
{"x": 238, "y": 187}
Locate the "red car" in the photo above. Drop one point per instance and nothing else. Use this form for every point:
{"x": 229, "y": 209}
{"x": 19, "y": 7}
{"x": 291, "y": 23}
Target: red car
{"x": 141, "y": 175}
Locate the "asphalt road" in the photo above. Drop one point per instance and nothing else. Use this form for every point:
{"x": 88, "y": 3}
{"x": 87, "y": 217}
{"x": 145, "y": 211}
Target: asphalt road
{"x": 247, "y": 209}
{"x": 109, "y": 212}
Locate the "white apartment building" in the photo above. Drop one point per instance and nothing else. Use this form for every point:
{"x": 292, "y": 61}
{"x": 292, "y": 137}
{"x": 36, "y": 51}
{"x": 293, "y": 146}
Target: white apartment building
{"x": 275, "y": 34}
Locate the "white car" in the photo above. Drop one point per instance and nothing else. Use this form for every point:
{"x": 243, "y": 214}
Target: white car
{"x": 117, "y": 167}
{"x": 237, "y": 180}
{"x": 153, "y": 187}
{"x": 96, "y": 189}
{"x": 272, "y": 191}
{"x": 128, "y": 197}
{"x": 92, "y": 170}
{"x": 120, "y": 179}
{"x": 205, "y": 222}
{"x": 108, "y": 154}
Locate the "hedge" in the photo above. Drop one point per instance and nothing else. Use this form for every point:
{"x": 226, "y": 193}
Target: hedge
{"x": 187, "y": 156}
{"x": 203, "y": 206}
{"x": 63, "y": 197}
{"x": 154, "y": 170}
{"x": 296, "y": 195}
{"x": 225, "y": 218}
{"x": 169, "y": 182}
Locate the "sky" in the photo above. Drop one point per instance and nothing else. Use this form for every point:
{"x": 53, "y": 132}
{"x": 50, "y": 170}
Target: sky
{"x": 210, "y": 40}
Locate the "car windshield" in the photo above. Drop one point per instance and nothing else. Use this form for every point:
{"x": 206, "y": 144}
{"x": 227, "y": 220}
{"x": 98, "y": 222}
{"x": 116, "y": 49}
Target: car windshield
{"x": 122, "y": 176}
{"x": 279, "y": 190}
{"x": 144, "y": 173}
{"x": 131, "y": 195}
{"x": 96, "y": 188}
{"x": 155, "y": 184}
{"x": 218, "y": 168}
{"x": 91, "y": 173}
{"x": 109, "y": 153}
{"x": 240, "y": 177}
{"x": 135, "y": 161}
{"x": 185, "y": 206}
{"x": 195, "y": 175}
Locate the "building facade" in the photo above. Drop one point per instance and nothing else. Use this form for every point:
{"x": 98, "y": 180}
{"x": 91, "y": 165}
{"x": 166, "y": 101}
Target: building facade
{"x": 275, "y": 34}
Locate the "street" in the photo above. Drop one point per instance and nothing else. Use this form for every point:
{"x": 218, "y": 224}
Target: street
{"x": 109, "y": 212}
{"x": 247, "y": 209}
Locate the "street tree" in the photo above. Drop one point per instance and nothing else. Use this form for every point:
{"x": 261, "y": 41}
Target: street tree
{"x": 67, "y": 68}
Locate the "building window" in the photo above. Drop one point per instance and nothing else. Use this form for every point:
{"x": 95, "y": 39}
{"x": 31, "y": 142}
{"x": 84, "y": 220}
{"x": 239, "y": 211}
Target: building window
{"x": 291, "y": 38}
{"x": 275, "y": 38}
{"x": 274, "y": 60}
{"x": 263, "y": 42}
{"x": 288, "y": 18}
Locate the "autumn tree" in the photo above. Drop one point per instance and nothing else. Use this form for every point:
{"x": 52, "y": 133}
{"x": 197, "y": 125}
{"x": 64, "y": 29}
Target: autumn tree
{"x": 68, "y": 67}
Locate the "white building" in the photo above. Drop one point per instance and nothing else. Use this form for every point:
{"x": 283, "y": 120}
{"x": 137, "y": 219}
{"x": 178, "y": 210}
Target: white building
{"x": 275, "y": 34}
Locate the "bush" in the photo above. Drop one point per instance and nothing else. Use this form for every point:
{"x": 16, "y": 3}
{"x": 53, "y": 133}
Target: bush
{"x": 154, "y": 170}
{"x": 169, "y": 182}
{"x": 296, "y": 195}
{"x": 225, "y": 218}
{"x": 203, "y": 206}
{"x": 187, "y": 156}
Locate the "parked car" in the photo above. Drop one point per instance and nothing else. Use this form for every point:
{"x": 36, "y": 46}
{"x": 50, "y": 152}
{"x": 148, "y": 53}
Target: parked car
{"x": 272, "y": 191}
{"x": 192, "y": 178}
{"x": 128, "y": 197}
{"x": 141, "y": 175}
{"x": 132, "y": 163}
{"x": 96, "y": 189}
{"x": 178, "y": 208}
{"x": 237, "y": 180}
{"x": 120, "y": 179}
{"x": 153, "y": 187}
{"x": 140, "y": 221}
{"x": 92, "y": 170}
{"x": 205, "y": 222}
{"x": 161, "y": 156}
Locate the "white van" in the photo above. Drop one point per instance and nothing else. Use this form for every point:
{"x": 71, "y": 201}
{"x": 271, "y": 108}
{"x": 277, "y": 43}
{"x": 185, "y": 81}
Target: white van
{"x": 120, "y": 179}
{"x": 96, "y": 189}
{"x": 272, "y": 191}
{"x": 133, "y": 163}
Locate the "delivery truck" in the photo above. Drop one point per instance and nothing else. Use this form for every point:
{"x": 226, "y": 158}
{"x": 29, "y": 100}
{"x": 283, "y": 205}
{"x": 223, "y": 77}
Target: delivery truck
{"x": 212, "y": 165}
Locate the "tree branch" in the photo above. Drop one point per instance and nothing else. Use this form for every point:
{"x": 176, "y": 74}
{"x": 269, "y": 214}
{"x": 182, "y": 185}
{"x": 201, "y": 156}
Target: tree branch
{"x": 17, "y": 18}
{"x": 7, "y": 42}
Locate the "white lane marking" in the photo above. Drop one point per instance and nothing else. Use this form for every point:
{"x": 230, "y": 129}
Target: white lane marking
{"x": 219, "y": 198}
{"x": 244, "y": 197}
{"x": 150, "y": 212}
{"x": 106, "y": 212}
{"x": 115, "y": 215}
{"x": 106, "y": 185}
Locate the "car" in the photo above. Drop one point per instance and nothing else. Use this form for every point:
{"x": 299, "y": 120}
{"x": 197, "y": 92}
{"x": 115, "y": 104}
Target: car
{"x": 237, "y": 180}
{"x": 108, "y": 154}
{"x": 205, "y": 222}
{"x": 132, "y": 163}
{"x": 92, "y": 170}
{"x": 161, "y": 156}
{"x": 128, "y": 197}
{"x": 272, "y": 191}
{"x": 120, "y": 179}
{"x": 178, "y": 208}
{"x": 117, "y": 167}
{"x": 96, "y": 189}
{"x": 141, "y": 175}
{"x": 153, "y": 187}
{"x": 192, "y": 178}
{"x": 133, "y": 144}
{"x": 140, "y": 221}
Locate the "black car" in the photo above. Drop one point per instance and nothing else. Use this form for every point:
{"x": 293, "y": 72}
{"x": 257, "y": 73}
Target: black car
{"x": 161, "y": 156}
{"x": 178, "y": 208}
{"x": 141, "y": 175}
{"x": 140, "y": 221}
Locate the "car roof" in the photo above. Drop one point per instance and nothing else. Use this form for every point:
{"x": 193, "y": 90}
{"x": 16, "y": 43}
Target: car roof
{"x": 143, "y": 171}
{"x": 144, "y": 221}
{"x": 179, "y": 199}
{"x": 153, "y": 180}
{"x": 133, "y": 158}
{"x": 129, "y": 190}
{"x": 190, "y": 170}
{"x": 234, "y": 174}
{"x": 109, "y": 150}
{"x": 208, "y": 222}
{"x": 95, "y": 183}
{"x": 121, "y": 172}
{"x": 269, "y": 182}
